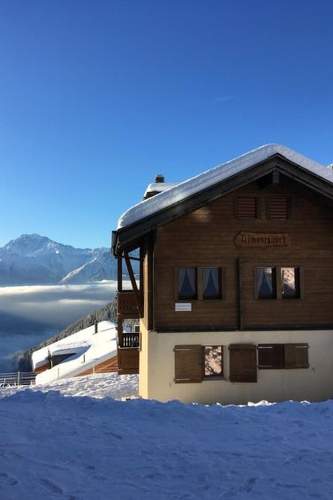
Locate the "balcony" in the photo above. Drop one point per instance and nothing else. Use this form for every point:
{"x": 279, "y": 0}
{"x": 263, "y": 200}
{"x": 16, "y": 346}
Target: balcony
{"x": 127, "y": 304}
{"x": 129, "y": 340}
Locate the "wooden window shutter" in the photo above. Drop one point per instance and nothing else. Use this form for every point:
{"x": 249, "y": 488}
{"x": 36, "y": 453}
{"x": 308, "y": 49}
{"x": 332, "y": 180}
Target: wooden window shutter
{"x": 271, "y": 356}
{"x": 296, "y": 356}
{"x": 278, "y": 208}
{"x": 243, "y": 363}
{"x": 189, "y": 363}
{"x": 247, "y": 207}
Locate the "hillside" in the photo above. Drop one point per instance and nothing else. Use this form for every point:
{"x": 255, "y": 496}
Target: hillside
{"x": 105, "y": 313}
{"x": 34, "y": 259}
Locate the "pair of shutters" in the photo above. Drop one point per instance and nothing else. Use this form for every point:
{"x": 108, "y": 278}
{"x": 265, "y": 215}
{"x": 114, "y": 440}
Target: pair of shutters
{"x": 189, "y": 363}
{"x": 283, "y": 356}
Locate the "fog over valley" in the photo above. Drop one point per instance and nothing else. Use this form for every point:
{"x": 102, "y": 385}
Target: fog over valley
{"x": 31, "y": 314}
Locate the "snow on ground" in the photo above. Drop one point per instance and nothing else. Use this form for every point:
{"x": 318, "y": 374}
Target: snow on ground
{"x": 57, "y": 446}
{"x": 95, "y": 386}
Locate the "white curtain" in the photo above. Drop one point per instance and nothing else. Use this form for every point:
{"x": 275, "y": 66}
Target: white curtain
{"x": 211, "y": 277}
{"x": 186, "y": 281}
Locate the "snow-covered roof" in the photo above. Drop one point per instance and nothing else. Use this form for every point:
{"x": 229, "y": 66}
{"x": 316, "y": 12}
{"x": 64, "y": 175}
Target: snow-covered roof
{"x": 88, "y": 349}
{"x": 185, "y": 189}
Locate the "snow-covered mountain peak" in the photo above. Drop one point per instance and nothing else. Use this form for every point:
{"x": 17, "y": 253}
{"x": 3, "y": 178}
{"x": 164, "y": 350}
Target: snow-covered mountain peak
{"x": 36, "y": 259}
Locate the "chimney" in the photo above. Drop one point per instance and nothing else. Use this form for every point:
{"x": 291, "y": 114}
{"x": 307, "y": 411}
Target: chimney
{"x": 159, "y": 178}
{"x": 156, "y": 187}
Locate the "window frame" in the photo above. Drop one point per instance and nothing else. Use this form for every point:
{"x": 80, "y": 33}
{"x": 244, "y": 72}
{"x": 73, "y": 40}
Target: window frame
{"x": 183, "y": 299}
{"x": 278, "y": 281}
{"x": 274, "y": 282}
{"x": 217, "y": 376}
{"x": 298, "y": 282}
{"x": 199, "y": 284}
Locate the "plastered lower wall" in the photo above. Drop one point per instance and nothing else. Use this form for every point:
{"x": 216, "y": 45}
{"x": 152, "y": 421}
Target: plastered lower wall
{"x": 157, "y": 368}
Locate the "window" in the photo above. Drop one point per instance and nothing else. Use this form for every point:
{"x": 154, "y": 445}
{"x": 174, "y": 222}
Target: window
{"x": 213, "y": 361}
{"x": 204, "y": 283}
{"x": 266, "y": 282}
{"x": 187, "y": 283}
{"x": 195, "y": 362}
{"x": 211, "y": 281}
{"x": 283, "y": 356}
{"x": 246, "y": 207}
{"x": 290, "y": 282}
{"x": 277, "y": 208}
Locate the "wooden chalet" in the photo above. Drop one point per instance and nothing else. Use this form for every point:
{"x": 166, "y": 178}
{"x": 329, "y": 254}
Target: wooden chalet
{"x": 235, "y": 289}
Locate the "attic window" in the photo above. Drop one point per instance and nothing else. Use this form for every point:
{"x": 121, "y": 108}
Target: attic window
{"x": 247, "y": 207}
{"x": 278, "y": 208}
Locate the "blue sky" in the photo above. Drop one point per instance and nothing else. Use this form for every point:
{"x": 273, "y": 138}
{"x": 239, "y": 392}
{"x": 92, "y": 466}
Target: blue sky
{"x": 97, "y": 97}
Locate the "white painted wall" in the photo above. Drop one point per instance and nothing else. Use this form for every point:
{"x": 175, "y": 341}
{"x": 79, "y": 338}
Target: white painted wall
{"x": 157, "y": 368}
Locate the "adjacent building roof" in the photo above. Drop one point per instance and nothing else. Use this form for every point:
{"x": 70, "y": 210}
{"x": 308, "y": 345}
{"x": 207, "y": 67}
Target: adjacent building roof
{"x": 180, "y": 193}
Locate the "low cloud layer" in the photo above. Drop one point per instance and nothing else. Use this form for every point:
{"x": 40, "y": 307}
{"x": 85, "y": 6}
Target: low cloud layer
{"x": 59, "y": 304}
{"x": 30, "y": 314}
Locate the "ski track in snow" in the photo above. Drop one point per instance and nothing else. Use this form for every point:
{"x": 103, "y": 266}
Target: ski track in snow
{"x": 56, "y": 445}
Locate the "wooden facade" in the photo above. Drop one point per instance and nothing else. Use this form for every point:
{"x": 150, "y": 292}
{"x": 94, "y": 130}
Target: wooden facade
{"x": 208, "y": 237}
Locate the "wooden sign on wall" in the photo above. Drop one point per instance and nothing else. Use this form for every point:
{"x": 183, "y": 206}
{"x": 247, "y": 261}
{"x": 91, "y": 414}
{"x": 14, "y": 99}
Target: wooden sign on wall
{"x": 261, "y": 240}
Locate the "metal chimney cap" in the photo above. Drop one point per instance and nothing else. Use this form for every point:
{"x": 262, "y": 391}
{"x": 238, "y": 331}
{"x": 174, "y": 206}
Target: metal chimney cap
{"x": 159, "y": 178}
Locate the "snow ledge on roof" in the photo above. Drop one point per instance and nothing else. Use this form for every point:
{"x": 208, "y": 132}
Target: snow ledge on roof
{"x": 210, "y": 177}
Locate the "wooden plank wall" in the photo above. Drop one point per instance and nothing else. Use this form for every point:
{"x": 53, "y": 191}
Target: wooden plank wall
{"x": 108, "y": 366}
{"x": 206, "y": 238}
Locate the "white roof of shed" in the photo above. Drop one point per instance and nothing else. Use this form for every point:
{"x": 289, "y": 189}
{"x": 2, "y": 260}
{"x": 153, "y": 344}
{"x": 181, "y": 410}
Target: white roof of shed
{"x": 215, "y": 175}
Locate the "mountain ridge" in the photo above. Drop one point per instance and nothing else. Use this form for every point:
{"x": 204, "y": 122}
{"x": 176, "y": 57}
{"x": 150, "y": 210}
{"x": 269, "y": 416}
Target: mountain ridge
{"x": 33, "y": 259}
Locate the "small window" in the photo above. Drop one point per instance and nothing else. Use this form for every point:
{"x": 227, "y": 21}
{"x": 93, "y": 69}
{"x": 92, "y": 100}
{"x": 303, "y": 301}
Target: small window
{"x": 187, "y": 283}
{"x": 290, "y": 280}
{"x": 213, "y": 361}
{"x": 278, "y": 208}
{"x": 247, "y": 207}
{"x": 266, "y": 282}
{"x": 211, "y": 283}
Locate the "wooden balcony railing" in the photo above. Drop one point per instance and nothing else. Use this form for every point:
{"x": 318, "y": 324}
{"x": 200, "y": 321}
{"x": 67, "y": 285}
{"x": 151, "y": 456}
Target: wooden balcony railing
{"x": 128, "y": 305}
{"x": 129, "y": 340}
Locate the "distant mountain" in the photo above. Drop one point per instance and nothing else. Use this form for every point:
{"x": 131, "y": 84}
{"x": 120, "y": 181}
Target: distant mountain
{"x": 34, "y": 259}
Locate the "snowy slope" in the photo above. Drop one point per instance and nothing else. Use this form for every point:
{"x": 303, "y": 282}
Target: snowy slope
{"x": 61, "y": 447}
{"x": 191, "y": 186}
{"x": 88, "y": 349}
{"x": 98, "y": 268}
{"x": 35, "y": 259}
